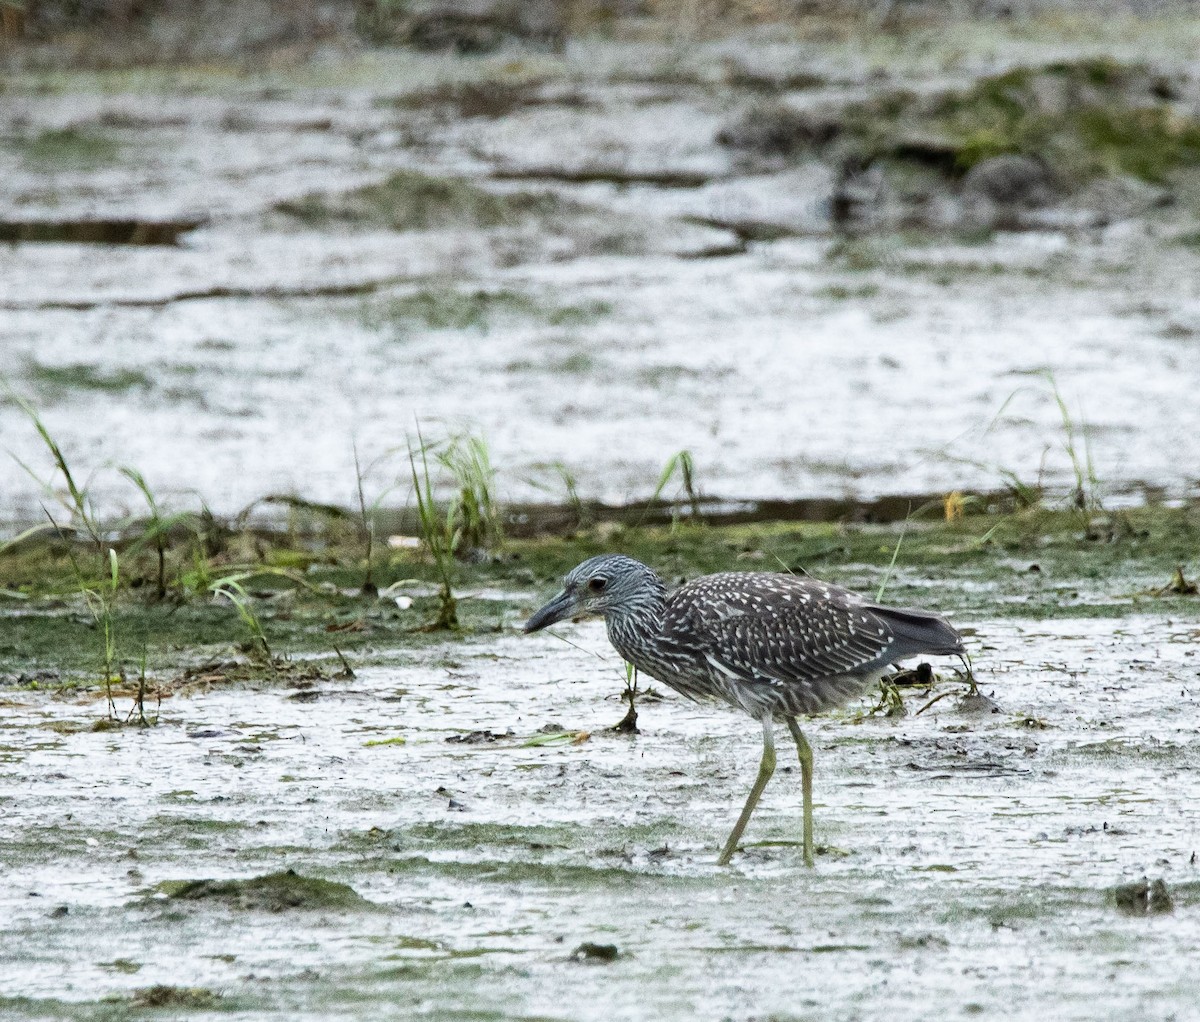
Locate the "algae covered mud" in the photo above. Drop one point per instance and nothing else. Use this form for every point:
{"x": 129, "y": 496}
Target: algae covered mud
{"x": 243, "y": 772}
{"x": 451, "y": 862}
{"x": 445, "y": 826}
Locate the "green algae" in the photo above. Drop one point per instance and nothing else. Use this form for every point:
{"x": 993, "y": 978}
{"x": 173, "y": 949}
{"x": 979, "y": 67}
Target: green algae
{"x": 70, "y": 148}
{"x": 1035, "y": 563}
{"x": 274, "y": 892}
{"x": 1083, "y": 119}
{"x": 412, "y": 201}
{"x": 448, "y": 307}
{"x": 80, "y": 376}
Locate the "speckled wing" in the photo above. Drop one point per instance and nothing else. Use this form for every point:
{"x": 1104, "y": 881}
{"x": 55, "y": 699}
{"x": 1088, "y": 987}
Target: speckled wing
{"x": 767, "y": 627}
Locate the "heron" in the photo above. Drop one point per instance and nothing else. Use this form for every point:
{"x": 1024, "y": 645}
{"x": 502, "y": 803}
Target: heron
{"x": 776, "y": 646}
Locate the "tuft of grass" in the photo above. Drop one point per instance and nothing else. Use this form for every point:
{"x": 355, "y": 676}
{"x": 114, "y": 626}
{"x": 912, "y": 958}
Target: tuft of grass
{"x": 583, "y": 517}
{"x": 1085, "y": 495}
{"x": 139, "y": 700}
{"x": 76, "y": 500}
{"x": 439, "y": 531}
{"x": 1075, "y": 442}
{"x": 683, "y": 465}
{"x": 157, "y": 529}
{"x": 101, "y": 596}
{"x": 101, "y": 601}
{"x": 468, "y": 522}
{"x": 230, "y": 588}
{"x": 473, "y": 507}
{"x": 369, "y": 588}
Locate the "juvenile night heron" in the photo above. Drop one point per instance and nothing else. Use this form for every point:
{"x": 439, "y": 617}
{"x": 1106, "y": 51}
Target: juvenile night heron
{"x": 776, "y": 646}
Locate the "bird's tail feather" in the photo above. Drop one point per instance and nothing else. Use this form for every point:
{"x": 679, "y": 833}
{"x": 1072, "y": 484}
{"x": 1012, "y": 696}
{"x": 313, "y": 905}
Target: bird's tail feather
{"x": 920, "y": 631}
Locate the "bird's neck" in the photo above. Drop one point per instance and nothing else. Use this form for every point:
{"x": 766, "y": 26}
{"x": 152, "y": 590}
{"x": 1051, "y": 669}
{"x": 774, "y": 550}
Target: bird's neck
{"x": 635, "y": 626}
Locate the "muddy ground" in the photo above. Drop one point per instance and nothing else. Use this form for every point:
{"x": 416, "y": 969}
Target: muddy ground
{"x": 768, "y": 249}
{"x": 470, "y": 840}
{"x": 970, "y": 864}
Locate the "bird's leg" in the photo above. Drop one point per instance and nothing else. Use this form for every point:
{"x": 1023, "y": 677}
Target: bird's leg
{"x": 806, "y": 763}
{"x": 765, "y": 769}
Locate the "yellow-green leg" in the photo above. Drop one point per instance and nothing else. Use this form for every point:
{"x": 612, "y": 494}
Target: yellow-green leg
{"x": 806, "y": 763}
{"x": 765, "y": 769}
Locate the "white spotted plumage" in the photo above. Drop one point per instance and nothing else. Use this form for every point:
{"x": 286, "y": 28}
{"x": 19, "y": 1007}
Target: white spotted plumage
{"x": 767, "y": 643}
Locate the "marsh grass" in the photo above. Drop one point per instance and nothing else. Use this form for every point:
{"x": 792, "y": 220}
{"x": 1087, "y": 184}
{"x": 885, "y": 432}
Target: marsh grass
{"x": 467, "y": 523}
{"x": 139, "y": 702}
{"x": 101, "y": 594}
{"x": 683, "y": 465}
{"x": 887, "y": 575}
{"x": 230, "y": 588}
{"x": 76, "y": 500}
{"x": 1074, "y": 442}
{"x": 367, "y": 523}
{"x": 102, "y": 602}
{"x": 439, "y": 530}
{"x": 583, "y": 517}
{"x": 157, "y": 529}
{"x": 1026, "y": 496}
{"x": 103, "y": 583}
{"x": 100, "y": 598}
{"x": 476, "y": 513}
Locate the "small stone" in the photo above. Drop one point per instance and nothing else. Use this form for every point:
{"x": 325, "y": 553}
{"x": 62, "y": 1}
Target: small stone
{"x": 595, "y": 953}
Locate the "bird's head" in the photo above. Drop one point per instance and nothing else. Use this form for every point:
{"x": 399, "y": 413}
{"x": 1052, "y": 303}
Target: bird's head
{"x": 598, "y": 586}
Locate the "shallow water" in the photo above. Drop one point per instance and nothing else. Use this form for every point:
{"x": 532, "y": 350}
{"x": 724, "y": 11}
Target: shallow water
{"x": 973, "y": 864}
{"x": 251, "y": 358}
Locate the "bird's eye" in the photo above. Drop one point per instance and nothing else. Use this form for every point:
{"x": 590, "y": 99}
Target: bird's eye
{"x": 596, "y": 585}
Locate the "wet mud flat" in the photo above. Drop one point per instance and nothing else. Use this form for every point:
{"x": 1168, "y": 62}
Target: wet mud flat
{"x": 595, "y": 258}
{"x": 453, "y": 859}
{"x": 767, "y": 249}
